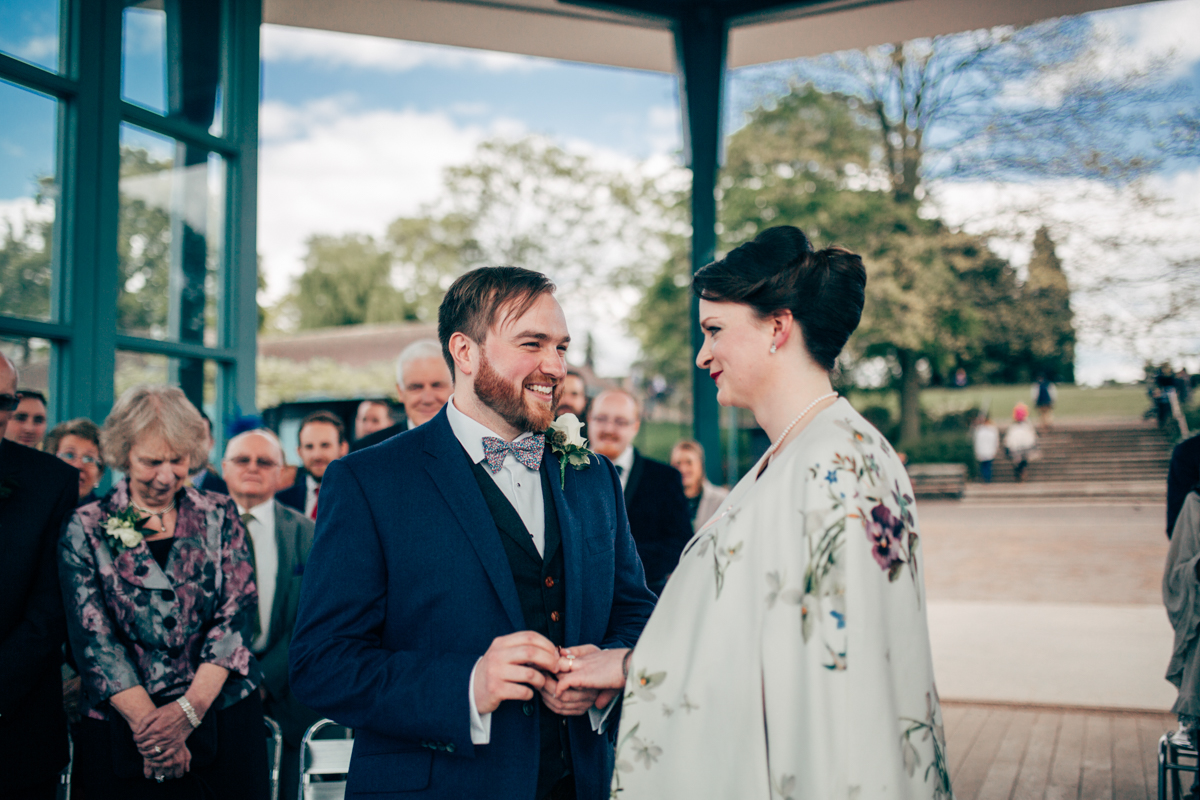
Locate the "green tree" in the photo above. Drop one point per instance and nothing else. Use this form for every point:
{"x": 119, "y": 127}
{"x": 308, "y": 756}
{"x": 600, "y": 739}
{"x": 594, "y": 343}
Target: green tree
{"x": 143, "y": 247}
{"x": 25, "y": 272}
{"x": 345, "y": 282}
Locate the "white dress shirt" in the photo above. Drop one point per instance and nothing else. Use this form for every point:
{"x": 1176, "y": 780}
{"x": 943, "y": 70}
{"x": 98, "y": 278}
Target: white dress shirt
{"x": 266, "y": 566}
{"x": 624, "y": 465}
{"x": 310, "y": 494}
{"x": 520, "y": 484}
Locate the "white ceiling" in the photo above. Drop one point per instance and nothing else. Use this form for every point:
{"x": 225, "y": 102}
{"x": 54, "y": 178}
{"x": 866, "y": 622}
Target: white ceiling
{"x": 555, "y": 30}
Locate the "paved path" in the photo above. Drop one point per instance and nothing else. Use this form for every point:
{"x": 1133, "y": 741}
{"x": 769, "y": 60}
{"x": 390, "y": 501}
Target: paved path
{"x": 1055, "y": 605}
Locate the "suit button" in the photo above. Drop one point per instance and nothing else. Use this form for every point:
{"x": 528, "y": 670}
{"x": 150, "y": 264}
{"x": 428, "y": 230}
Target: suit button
{"x": 528, "y": 709}
{"x": 555, "y": 616}
{"x": 450, "y": 747}
{"x": 549, "y": 582}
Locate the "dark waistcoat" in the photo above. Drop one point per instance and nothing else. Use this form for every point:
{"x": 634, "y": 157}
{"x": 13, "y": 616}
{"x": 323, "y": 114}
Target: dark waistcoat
{"x": 540, "y": 588}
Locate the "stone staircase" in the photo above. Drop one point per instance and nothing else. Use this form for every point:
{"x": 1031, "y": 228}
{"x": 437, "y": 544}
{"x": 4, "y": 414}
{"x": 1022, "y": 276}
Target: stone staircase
{"x": 1117, "y": 460}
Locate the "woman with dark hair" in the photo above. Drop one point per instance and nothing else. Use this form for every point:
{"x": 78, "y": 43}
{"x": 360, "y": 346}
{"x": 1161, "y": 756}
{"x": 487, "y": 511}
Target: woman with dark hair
{"x": 788, "y": 656}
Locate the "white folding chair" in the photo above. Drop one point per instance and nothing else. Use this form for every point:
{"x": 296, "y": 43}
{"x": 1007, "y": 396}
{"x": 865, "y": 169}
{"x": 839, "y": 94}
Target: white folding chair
{"x": 325, "y": 752}
{"x": 1173, "y": 746}
{"x": 274, "y": 753}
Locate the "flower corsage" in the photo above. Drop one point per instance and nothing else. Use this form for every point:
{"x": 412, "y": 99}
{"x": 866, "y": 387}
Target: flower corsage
{"x": 567, "y": 443}
{"x": 124, "y": 528}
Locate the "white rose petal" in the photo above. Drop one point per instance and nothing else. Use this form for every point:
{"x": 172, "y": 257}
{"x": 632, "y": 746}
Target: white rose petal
{"x": 129, "y": 537}
{"x": 571, "y": 427}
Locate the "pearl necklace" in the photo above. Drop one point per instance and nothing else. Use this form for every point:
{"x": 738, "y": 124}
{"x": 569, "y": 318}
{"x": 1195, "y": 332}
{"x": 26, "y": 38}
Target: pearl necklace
{"x": 160, "y": 514}
{"x": 775, "y": 445}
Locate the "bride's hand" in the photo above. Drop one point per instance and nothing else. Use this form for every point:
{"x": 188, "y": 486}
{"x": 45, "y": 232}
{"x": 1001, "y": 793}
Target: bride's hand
{"x": 595, "y": 669}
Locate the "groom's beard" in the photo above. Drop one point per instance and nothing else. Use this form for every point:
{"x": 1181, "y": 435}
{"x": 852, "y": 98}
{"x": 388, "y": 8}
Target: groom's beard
{"x": 510, "y": 402}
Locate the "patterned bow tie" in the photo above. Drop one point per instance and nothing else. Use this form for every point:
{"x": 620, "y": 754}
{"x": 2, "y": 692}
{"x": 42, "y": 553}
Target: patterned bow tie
{"x": 527, "y": 451}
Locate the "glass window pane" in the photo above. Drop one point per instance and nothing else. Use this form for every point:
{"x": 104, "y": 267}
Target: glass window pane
{"x": 32, "y": 357}
{"x": 29, "y": 31}
{"x": 28, "y": 194}
{"x": 170, "y": 240}
{"x": 171, "y": 60}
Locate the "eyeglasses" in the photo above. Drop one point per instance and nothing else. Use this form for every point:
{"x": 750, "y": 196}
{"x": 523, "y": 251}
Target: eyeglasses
{"x": 245, "y": 461}
{"x": 9, "y": 402}
{"x": 68, "y": 456}
{"x": 620, "y": 422}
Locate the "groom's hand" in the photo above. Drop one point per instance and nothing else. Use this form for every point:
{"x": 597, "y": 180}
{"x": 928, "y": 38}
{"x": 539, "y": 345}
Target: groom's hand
{"x": 512, "y": 668}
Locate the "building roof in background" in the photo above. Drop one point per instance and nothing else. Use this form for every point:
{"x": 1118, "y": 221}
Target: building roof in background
{"x": 349, "y": 345}
{"x": 770, "y": 31}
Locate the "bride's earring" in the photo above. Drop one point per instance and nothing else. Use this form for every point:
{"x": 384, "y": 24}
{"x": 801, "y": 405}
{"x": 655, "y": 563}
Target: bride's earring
{"x": 773, "y": 348}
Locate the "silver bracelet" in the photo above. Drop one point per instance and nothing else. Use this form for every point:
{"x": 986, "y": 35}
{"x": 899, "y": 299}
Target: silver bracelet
{"x": 189, "y": 711}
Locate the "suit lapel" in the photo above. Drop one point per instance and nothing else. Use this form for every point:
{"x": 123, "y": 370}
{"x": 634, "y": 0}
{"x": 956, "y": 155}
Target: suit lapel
{"x": 448, "y": 466}
{"x": 571, "y": 534}
{"x": 635, "y": 476}
{"x": 285, "y": 547}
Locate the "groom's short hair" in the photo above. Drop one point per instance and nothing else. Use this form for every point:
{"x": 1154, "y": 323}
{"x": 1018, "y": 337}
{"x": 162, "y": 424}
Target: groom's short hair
{"x": 474, "y": 302}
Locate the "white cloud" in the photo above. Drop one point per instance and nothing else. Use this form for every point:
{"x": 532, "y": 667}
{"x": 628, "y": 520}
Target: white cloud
{"x": 1163, "y": 26}
{"x": 21, "y": 211}
{"x": 330, "y": 48}
{"x": 1117, "y": 252}
{"x": 36, "y": 48}
{"x": 326, "y": 169}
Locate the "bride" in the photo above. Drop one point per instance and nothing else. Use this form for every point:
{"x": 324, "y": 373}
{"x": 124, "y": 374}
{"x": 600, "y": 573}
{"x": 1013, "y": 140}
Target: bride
{"x": 789, "y": 654}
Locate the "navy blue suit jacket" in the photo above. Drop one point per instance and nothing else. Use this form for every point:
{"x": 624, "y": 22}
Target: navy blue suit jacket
{"x": 295, "y": 495}
{"x": 406, "y": 587}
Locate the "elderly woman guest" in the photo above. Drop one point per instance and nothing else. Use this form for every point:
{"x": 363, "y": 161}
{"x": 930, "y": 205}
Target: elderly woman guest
{"x": 157, "y": 581}
{"x": 789, "y": 653}
{"x": 77, "y": 442}
{"x": 703, "y": 498}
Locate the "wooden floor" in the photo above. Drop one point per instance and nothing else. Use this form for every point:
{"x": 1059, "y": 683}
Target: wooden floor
{"x": 1012, "y": 753}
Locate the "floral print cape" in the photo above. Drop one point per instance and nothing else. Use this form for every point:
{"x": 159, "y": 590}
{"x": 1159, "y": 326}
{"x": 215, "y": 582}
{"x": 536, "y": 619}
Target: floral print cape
{"x": 788, "y": 656}
{"x": 133, "y": 623}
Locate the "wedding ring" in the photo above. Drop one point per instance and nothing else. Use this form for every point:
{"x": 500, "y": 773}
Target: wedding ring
{"x": 157, "y": 750}
{"x": 159, "y": 778}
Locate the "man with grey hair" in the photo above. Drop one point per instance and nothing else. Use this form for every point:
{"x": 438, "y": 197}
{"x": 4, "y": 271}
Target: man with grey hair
{"x": 281, "y": 538}
{"x": 424, "y": 384}
{"x": 38, "y": 492}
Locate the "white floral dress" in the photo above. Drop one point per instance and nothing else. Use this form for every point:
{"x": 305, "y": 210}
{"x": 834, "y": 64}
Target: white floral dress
{"x": 789, "y": 654}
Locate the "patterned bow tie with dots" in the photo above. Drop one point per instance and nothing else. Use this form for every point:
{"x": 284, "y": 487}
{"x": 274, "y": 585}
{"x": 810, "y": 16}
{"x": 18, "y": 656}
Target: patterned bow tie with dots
{"x": 527, "y": 451}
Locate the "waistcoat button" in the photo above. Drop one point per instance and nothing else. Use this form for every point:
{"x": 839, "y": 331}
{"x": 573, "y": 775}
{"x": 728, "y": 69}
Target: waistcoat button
{"x": 555, "y": 616}
{"x": 549, "y": 582}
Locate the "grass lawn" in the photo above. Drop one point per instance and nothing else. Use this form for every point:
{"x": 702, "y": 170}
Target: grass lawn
{"x": 1074, "y": 402}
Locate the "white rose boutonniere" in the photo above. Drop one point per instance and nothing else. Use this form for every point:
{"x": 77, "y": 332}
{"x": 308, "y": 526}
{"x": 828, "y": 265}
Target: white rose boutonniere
{"x": 124, "y": 528}
{"x": 568, "y": 444}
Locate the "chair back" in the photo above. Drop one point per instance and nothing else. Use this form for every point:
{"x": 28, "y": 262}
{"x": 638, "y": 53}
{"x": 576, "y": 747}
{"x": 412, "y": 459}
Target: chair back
{"x": 274, "y": 753}
{"x": 325, "y": 761}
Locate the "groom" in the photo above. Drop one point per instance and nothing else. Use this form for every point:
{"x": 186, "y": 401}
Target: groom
{"x": 452, "y": 561}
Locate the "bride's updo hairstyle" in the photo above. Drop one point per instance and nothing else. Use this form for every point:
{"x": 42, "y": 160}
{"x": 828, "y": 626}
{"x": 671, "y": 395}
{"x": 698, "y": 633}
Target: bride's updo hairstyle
{"x": 778, "y": 270}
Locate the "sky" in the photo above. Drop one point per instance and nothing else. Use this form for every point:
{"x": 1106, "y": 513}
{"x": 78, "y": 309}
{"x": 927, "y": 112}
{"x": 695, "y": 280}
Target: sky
{"x": 356, "y": 131}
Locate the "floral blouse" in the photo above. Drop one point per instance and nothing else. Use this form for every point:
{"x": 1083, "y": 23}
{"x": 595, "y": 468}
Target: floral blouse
{"x": 134, "y": 623}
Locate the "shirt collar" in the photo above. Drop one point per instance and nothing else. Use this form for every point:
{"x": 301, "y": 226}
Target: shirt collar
{"x": 625, "y": 461}
{"x": 470, "y": 432}
{"x": 261, "y": 511}
{"x": 310, "y": 482}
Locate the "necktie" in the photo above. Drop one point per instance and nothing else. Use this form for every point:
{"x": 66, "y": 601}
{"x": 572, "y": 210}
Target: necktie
{"x": 527, "y": 451}
{"x": 247, "y": 518}
{"x": 316, "y": 499}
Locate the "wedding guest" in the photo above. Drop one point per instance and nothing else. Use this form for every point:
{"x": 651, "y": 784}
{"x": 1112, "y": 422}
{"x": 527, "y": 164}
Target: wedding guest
{"x": 1182, "y": 476}
{"x": 789, "y": 655}
{"x": 1181, "y": 597}
{"x": 1020, "y": 440}
{"x": 372, "y": 415}
{"x": 77, "y": 442}
{"x": 703, "y": 498}
{"x": 206, "y": 477}
{"x": 161, "y": 605}
{"x": 37, "y": 494}
{"x": 424, "y": 384}
{"x": 574, "y": 396}
{"x": 27, "y": 425}
{"x": 322, "y": 441}
{"x": 658, "y": 511}
{"x": 985, "y": 439}
{"x": 281, "y": 538}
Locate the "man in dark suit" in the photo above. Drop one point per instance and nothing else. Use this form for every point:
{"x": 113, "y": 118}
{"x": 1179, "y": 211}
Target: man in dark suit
{"x": 281, "y": 538}
{"x": 37, "y": 495}
{"x": 322, "y": 441}
{"x": 453, "y": 561}
{"x": 1182, "y": 477}
{"x": 423, "y": 382}
{"x": 654, "y": 498}
{"x": 206, "y": 478}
